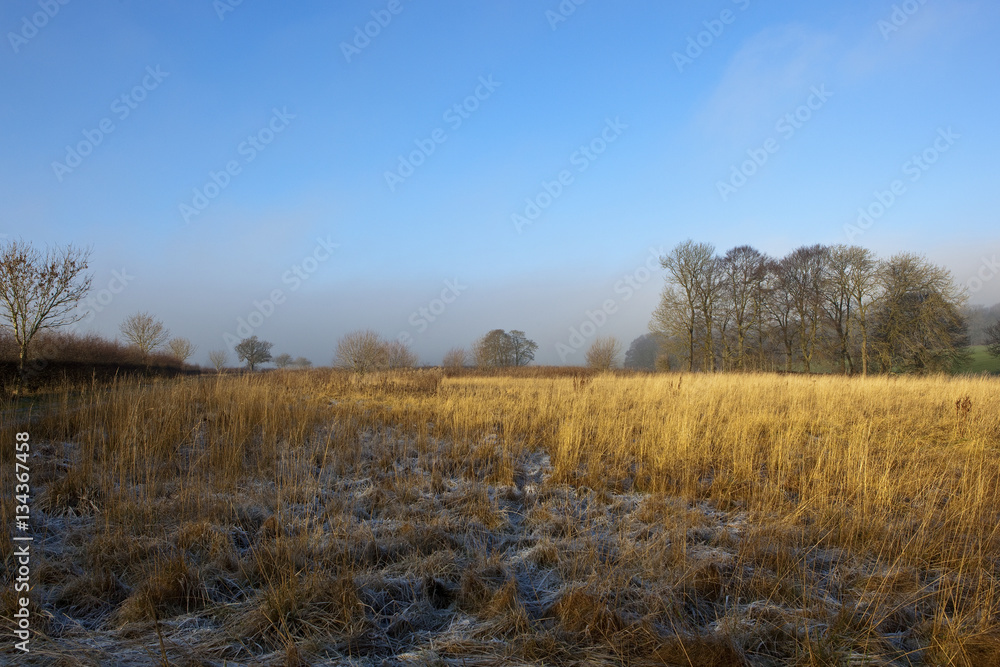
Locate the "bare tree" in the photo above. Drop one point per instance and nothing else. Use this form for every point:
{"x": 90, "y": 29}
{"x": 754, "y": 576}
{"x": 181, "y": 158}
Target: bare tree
{"x": 39, "y": 291}
{"x": 219, "y": 359}
{"x": 780, "y": 309}
{"x": 145, "y": 332}
{"x": 302, "y": 362}
{"x": 399, "y": 355}
{"x": 494, "y": 350}
{"x": 742, "y": 270}
{"x": 283, "y": 360}
{"x": 603, "y": 353}
{"x": 803, "y": 273}
{"x": 690, "y": 291}
{"x": 499, "y": 349}
{"x": 522, "y": 349}
{"x": 181, "y": 348}
{"x": 362, "y": 352}
{"x": 455, "y": 358}
{"x": 254, "y": 351}
{"x": 864, "y": 286}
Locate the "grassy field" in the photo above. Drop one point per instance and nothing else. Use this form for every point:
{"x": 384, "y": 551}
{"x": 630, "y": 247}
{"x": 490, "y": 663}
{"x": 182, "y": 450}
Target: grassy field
{"x": 982, "y": 361}
{"x": 320, "y": 518}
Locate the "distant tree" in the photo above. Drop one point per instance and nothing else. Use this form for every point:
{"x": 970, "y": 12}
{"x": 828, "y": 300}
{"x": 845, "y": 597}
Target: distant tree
{"x": 499, "y": 349}
{"x": 979, "y": 319}
{"x": 918, "y": 324}
{"x": 641, "y": 354}
{"x": 455, "y": 358}
{"x": 522, "y": 349}
{"x": 603, "y": 353}
{"x": 283, "y": 360}
{"x": 302, "y": 362}
{"x": 494, "y": 350}
{"x": 362, "y": 352}
{"x": 742, "y": 270}
{"x": 693, "y": 286}
{"x": 219, "y": 359}
{"x": 39, "y": 292}
{"x": 399, "y": 355}
{"x": 181, "y": 348}
{"x": 993, "y": 339}
{"x": 803, "y": 272}
{"x": 865, "y": 288}
{"x": 254, "y": 352}
{"x": 145, "y": 332}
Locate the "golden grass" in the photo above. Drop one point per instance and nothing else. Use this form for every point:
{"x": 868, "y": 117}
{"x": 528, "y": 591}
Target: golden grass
{"x": 316, "y": 517}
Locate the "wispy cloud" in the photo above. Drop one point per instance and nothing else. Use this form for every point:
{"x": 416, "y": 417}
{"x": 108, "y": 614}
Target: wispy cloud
{"x": 773, "y": 69}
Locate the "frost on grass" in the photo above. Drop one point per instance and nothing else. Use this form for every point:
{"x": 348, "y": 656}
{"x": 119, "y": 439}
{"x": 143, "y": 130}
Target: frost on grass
{"x": 381, "y": 529}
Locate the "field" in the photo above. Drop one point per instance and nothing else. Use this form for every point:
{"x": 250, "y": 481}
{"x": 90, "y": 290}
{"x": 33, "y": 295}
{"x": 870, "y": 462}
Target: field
{"x": 982, "y": 361}
{"x": 323, "y": 518}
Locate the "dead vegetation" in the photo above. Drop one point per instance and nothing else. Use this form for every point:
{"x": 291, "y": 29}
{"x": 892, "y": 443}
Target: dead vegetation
{"x": 327, "y": 518}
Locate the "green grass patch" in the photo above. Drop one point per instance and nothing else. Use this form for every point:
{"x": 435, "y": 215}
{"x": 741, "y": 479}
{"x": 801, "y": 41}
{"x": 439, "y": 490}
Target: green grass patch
{"x": 982, "y": 361}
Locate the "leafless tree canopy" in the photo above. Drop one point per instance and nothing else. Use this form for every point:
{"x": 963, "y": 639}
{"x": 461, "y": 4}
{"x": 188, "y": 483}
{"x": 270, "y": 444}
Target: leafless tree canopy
{"x": 182, "y": 348}
{"x": 456, "y": 358}
{"x": 603, "y": 353}
{"x": 398, "y": 355}
{"x": 818, "y": 307}
{"x": 500, "y": 349}
{"x": 254, "y": 351}
{"x": 219, "y": 359}
{"x": 145, "y": 332}
{"x": 283, "y": 360}
{"x": 40, "y": 291}
{"x": 362, "y": 352}
{"x": 302, "y": 362}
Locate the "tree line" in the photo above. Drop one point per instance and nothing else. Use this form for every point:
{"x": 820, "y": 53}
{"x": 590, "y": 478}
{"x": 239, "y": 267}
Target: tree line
{"x": 819, "y": 307}
{"x": 834, "y": 307}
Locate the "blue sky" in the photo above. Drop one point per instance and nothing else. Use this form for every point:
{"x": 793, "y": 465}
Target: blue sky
{"x": 227, "y": 144}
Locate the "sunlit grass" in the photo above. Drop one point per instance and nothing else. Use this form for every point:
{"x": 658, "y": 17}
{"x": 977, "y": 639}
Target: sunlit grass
{"x": 643, "y": 519}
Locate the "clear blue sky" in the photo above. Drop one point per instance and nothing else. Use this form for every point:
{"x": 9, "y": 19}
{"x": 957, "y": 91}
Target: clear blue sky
{"x": 310, "y": 116}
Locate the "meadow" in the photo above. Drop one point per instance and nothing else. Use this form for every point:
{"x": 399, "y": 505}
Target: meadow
{"x": 327, "y": 518}
{"x": 982, "y": 361}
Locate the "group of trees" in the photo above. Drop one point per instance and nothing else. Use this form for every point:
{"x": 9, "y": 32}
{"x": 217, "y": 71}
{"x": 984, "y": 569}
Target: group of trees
{"x": 835, "y": 306}
{"x": 838, "y": 307}
{"x": 149, "y": 334}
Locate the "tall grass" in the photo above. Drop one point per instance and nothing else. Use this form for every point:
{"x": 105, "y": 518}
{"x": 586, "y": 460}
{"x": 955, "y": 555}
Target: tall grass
{"x": 646, "y": 519}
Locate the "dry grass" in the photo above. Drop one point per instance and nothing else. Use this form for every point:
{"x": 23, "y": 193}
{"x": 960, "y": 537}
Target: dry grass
{"x": 322, "y": 518}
